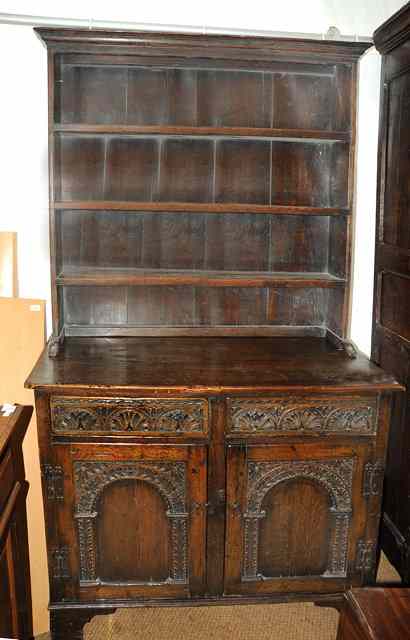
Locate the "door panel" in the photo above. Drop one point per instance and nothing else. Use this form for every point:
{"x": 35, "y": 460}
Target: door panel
{"x": 294, "y": 513}
{"x": 138, "y": 523}
{"x": 120, "y": 508}
{"x": 290, "y": 507}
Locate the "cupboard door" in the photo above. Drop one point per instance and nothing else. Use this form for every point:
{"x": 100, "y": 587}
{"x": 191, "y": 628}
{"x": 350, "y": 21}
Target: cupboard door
{"x": 294, "y": 514}
{"x": 135, "y": 525}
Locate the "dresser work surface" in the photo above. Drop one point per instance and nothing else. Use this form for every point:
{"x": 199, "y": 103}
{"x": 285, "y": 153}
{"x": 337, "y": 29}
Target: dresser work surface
{"x": 216, "y": 364}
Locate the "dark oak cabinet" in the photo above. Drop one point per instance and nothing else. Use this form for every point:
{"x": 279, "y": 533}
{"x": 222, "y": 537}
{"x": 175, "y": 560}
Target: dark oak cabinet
{"x": 207, "y": 432}
{"x": 198, "y": 477}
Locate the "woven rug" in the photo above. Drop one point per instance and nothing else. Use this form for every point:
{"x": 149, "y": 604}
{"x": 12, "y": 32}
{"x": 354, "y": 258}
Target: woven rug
{"x": 296, "y": 621}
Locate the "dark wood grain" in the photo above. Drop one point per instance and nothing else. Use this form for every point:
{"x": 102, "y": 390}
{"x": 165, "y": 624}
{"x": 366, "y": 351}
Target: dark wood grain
{"x": 186, "y": 171}
{"x": 80, "y": 163}
{"x": 375, "y": 614}
{"x": 130, "y": 169}
{"x": 309, "y": 174}
{"x": 137, "y": 512}
{"x": 290, "y": 509}
{"x": 125, "y": 205}
{"x": 242, "y": 172}
{"x": 206, "y": 362}
{"x": 166, "y": 130}
{"x": 291, "y": 93}
{"x": 391, "y": 326}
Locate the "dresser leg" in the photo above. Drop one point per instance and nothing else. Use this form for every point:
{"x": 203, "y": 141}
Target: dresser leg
{"x": 68, "y": 624}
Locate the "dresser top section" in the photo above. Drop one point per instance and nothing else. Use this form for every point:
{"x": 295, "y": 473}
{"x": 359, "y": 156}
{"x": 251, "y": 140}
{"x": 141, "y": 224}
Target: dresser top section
{"x": 207, "y": 365}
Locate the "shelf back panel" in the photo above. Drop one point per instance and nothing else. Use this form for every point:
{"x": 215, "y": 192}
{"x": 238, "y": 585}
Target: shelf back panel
{"x": 294, "y": 95}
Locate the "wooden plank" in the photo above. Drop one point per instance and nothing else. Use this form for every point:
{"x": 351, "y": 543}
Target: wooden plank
{"x": 203, "y": 207}
{"x": 105, "y": 277}
{"x": 260, "y": 132}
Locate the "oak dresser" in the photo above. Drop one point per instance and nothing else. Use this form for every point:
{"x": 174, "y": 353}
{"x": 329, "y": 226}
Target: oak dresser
{"x": 208, "y": 434}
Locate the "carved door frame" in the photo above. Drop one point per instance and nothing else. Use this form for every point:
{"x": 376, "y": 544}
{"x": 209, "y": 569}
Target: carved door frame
{"x": 177, "y": 472}
{"x": 252, "y": 471}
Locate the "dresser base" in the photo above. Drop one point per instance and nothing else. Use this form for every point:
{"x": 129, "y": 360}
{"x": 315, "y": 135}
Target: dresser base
{"x": 67, "y": 621}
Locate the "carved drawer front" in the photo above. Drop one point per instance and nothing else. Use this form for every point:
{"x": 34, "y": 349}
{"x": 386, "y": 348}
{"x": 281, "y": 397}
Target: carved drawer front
{"x": 129, "y": 416}
{"x": 317, "y": 415}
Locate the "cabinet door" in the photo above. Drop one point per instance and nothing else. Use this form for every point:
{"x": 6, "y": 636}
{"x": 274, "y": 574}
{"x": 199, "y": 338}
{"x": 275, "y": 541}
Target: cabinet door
{"x": 131, "y": 521}
{"x": 294, "y": 514}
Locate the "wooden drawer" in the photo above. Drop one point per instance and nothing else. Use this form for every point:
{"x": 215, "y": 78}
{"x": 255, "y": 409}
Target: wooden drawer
{"x": 129, "y": 416}
{"x": 6, "y": 477}
{"x": 307, "y": 415}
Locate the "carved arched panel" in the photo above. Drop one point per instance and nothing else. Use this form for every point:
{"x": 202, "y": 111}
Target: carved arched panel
{"x": 168, "y": 479}
{"x": 331, "y": 478}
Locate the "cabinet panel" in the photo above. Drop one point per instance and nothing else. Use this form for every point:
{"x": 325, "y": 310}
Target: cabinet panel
{"x": 294, "y": 515}
{"x": 135, "y": 524}
{"x": 394, "y": 225}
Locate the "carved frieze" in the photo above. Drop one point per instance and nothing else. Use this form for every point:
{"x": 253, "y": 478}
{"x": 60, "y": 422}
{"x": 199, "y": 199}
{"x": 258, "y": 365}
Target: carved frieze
{"x": 128, "y": 415}
{"x": 334, "y": 476}
{"x": 169, "y": 479}
{"x": 302, "y": 415}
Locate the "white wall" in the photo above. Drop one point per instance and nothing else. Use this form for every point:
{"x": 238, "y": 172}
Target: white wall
{"x": 23, "y": 150}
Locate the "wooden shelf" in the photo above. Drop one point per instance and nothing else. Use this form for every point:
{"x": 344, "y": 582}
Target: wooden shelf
{"x": 106, "y": 331}
{"x": 196, "y": 207}
{"x": 157, "y": 277}
{"x": 170, "y": 130}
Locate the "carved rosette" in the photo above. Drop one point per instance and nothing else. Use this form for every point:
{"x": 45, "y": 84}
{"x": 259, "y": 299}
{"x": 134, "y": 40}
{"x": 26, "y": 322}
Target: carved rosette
{"x": 90, "y": 415}
{"x": 335, "y": 476}
{"x": 168, "y": 478}
{"x": 302, "y": 415}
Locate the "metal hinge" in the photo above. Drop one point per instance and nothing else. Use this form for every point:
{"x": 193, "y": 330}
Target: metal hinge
{"x": 373, "y": 476}
{"x": 54, "y": 479}
{"x": 365, "y": 555}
